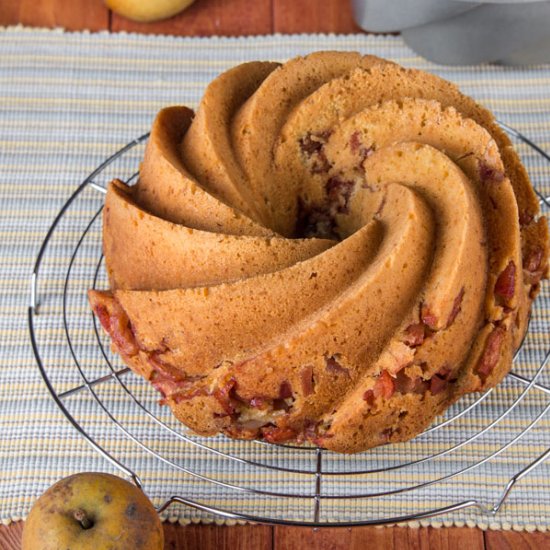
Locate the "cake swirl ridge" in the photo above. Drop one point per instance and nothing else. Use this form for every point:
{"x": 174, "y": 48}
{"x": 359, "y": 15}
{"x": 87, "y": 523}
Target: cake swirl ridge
{"x": 331, "y": 250}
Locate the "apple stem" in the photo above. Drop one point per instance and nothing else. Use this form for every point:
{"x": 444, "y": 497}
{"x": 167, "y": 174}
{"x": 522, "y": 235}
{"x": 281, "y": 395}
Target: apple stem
{"x": 80, "y": 515}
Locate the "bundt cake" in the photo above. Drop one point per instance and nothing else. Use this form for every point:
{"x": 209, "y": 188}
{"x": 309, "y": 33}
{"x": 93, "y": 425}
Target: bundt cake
{"x": 332, "y": 251}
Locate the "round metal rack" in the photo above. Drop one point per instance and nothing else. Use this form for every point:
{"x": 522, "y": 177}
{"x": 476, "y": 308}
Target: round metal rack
{"x": 438, "y": 472}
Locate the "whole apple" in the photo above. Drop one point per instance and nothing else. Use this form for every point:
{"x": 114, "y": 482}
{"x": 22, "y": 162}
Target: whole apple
{"x": 148, "y": 10}
{"x": 93, "y": 511}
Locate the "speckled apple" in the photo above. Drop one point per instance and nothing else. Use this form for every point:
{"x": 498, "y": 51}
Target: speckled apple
{"x": 93, "y": 511}
{"x": 148, "y": 10}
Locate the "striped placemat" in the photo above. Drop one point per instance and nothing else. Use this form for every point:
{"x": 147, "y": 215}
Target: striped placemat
{"x": 68, "y": 101}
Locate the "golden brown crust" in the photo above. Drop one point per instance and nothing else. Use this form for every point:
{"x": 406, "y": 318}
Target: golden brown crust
{"x": 206, "y": 148}
{"x": 167, "y": 189}
{"x": 419, "y": 254}
{"x": 144, "y": 252}
{"x": 258, "y": 122}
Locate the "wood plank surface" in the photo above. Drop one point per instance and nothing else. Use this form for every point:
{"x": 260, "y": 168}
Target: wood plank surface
{"x": 180, "y": 537}
{"x": 10, "y": 536}
{"x": 366, "y": 538}
{"x": 216, "y": 537}
{"x": 72, "y": 15}
{"x": 232, "y": 18}
{"x": 516, "y": 540}
{"x": 204, "y": 18}
{"x": 291, "y": 16}
{"x": 260, "y": 537}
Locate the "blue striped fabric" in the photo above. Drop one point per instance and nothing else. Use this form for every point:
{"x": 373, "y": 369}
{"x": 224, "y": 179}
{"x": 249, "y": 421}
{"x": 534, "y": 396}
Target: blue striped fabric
{"x": 68, "y": 101}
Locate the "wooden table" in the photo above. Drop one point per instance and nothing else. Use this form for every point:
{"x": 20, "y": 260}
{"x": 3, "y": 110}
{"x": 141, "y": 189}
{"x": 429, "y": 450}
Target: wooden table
{"x": 238, "y": 17}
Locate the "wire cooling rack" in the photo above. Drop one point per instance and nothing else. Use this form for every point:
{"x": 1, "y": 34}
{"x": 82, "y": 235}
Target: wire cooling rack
{"x": 502, "y": 433}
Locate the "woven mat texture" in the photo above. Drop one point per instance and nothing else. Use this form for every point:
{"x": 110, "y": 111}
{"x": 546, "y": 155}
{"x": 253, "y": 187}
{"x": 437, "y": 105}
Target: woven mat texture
{"x": 70, "y": 100}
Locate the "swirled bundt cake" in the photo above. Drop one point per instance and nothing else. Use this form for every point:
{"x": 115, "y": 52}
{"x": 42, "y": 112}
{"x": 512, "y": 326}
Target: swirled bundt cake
{"x": 331, "y": 250}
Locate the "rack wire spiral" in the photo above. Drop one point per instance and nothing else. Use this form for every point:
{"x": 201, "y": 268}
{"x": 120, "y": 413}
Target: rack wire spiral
{"x": 118, "y": 414}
